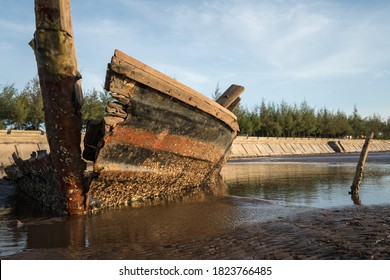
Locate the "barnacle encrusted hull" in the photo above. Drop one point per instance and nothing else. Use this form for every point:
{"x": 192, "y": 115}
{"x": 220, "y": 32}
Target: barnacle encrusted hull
{"x": 35, "y": 177}
{"x": 160, "y": 139}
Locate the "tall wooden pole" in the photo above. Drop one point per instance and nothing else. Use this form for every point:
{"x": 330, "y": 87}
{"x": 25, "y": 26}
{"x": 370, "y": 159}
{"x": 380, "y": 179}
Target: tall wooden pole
{"x": 360, "y": 166}
{"x": 54, "y": 50}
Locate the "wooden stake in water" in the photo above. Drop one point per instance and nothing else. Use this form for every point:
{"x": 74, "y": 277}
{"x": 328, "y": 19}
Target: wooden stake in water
{"x": 360, "y": 166}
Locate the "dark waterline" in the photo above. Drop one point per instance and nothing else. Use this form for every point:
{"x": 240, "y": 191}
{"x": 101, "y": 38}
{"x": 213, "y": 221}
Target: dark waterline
{"x": 259, "y": 190}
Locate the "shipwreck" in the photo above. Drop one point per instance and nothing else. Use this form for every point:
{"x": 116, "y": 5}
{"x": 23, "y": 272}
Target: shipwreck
{"x": 159, "y": 138}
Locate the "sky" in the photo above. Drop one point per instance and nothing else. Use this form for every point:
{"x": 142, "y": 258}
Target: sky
{"x": 333, "y": 54}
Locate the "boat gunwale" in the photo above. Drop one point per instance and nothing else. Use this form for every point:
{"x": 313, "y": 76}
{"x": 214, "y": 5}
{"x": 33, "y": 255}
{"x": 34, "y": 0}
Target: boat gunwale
{"x": 137, "y": 71}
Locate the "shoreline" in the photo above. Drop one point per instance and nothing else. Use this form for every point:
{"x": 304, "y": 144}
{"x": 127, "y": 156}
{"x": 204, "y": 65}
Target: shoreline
{"x": 24, "y": 142}
{"x": 353, "y": 157}
{"x": 252, "y": 147}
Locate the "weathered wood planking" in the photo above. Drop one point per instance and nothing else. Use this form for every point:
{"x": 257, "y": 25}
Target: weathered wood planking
{"x": 230, "y": 96}
{"x": 161, "y": 138}
{"x": 59, "y": 78}
{"x": 142, "y": 73}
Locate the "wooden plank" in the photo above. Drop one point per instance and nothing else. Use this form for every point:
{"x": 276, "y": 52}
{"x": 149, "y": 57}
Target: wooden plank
{"x": 230, "y": 95}
{"x": 117, "y": 84}
{"x": 54, "y": 14}
{"x": 142, "y": 73}
{"x": 116, "y": 109}
{"x": 234, "y": 105}
{"x": 59, "y": 78}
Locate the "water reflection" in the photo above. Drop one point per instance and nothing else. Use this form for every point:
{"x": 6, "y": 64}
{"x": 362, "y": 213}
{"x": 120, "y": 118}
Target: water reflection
{"x": 152, "y": 225}
{"x": 319, "y": 185}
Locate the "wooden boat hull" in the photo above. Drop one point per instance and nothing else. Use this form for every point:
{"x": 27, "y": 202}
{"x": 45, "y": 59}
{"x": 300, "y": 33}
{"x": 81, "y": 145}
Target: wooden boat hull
{"x": 159, "y": 140}
{"x": 159, "y": 147}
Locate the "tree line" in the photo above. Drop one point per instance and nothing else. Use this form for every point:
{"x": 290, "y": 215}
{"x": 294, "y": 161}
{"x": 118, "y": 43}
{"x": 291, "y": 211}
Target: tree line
{"x": 284, "y": 120}
{"x": 24, "y": 110}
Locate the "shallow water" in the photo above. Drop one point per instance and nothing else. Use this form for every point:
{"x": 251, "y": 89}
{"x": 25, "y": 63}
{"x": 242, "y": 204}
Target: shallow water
{"x": 151, "y": 225}
{"x": 259, "y": 190}
{"x": 320, "y": 185}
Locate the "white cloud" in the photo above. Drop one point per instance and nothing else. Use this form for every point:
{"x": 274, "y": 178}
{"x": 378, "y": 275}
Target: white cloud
{"x": 304, "y": 39}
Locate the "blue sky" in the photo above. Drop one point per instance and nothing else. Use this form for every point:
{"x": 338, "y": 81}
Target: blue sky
{"x": 333, "y": 54}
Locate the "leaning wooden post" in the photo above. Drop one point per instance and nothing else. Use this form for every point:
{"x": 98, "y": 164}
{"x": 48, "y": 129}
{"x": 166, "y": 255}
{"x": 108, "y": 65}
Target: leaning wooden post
{"x": 360, "y": 166}
{"x": 59, "y": 78}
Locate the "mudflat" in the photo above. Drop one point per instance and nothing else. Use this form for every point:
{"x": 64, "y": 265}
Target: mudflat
{"x": 352, "y": 232}
{"x": 356, "y": 232}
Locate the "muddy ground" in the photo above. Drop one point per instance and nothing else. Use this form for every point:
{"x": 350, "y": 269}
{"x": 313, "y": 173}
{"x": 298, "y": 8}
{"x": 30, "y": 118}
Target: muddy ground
{"x": 358, "y": 232}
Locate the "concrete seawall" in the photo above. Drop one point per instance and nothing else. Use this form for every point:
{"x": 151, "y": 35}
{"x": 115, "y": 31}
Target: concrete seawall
{"x": 246, "y": 147}
{"x": 20, "y": 142}
{"x": 25, "y": 142}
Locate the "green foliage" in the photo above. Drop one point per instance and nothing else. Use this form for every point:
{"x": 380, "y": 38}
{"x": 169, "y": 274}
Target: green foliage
{"x": 386, "y": 130}
{"x": 21, "y": 110}
{"x": 357, "y": 123}
{"x": 94, "y": 105}
{"x": 7, "y": 97}
{"x": 35, "y": 116}
{"x": 284, "y": 120}
{"x": 24, "y": 110}
{"x": 217, "y": 92}
{"x": 249, "y": 122}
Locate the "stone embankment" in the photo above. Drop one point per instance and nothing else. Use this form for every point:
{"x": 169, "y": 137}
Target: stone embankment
{"x": 20, "y": 142}
{"x": 246, "y": 147}
{"x": 24, "y": 143}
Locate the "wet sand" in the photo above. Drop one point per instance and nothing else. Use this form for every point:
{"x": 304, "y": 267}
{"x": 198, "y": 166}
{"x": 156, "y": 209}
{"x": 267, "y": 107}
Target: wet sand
{"x": 358, "y": 232}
